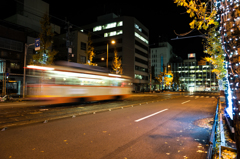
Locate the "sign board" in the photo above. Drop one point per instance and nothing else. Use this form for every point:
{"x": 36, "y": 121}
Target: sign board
{"x": 192, "y": 55}
{"x": 169, "y": 76}
{"x": 37, "y": 44}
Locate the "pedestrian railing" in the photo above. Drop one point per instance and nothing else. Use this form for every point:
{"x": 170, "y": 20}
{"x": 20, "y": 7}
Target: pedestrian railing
{"x": 212, "y": 140}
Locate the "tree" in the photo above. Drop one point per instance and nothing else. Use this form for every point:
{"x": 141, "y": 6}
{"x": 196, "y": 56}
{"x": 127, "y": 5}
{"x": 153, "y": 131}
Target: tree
{"x": 168, "y": 78}
{"x": 45, "y": 55}
{"x": 117, "y": 63}
{"x": 90, "y": 50}
{"x": 165, "y": 77}
{"x": 228, "y": 15}
{"x": 216, "y": 53}
{"x": 199, "y": 11}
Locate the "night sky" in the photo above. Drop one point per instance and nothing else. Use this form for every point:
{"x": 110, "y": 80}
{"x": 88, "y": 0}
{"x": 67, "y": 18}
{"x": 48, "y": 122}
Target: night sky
{"x": 160, "y": 18}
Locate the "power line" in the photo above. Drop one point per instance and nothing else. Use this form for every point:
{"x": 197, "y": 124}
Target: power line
{"x": 177, "y": 38}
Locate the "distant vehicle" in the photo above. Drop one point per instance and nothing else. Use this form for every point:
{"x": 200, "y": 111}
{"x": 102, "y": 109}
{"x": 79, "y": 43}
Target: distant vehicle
{"x": 72, "y": 82}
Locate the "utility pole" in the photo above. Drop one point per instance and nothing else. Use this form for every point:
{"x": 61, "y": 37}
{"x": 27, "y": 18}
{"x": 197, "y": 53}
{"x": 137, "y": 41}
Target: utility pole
{"x": 24, "y": 68}
{"x": 4, "y": 79}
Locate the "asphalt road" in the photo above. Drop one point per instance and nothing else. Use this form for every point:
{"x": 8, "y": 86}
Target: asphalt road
{"x": 155, "y": 129}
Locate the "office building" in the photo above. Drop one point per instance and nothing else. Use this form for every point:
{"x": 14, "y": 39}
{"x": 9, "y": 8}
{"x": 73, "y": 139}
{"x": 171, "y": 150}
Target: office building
{"x": 160, "y": 56}
{"x": 131, "y": 42}
{"x": 76, "y": 50}
{"x": 195, "y": 76}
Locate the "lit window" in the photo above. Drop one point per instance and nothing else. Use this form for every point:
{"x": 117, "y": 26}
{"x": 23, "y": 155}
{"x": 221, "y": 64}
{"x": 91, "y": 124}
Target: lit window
{"x": 119, "y": 32}
{"x": 113, "y": 33}
{"x": 140, "y": 37}
{"x": 110, "y": 25}
{"x": 120, "y": 23}
{"x": 97, "y": 28}
{"x": 138, "y": 28}
{"x": 138, "y": 76}
{"x": 105, "y": 35}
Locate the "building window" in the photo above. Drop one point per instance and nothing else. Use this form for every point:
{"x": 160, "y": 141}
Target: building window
{"x": 82, "y": 59}
{"x": 110, "y": 25}
{"x": 113, "y": 33}
{"x": 138, "y": 28}
{"x": 142, "y": 38}
{"x": 83, "y": 46}
{"x": 141, "y": 53}
{"x": 141, "y": 61}
{"x": 97, "y": 28}
{"x": 141, "y": 69}
{"x": 3, "y": 53}
{"x": 141, "y": 77}
{"x": 11, "y": 45}
{"x": 120, "y": 23}
{"x": 14, "y": 66}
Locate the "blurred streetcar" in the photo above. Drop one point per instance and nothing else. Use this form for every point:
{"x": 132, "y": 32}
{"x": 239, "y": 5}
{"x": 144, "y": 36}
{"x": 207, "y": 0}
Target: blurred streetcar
{"x": 72, "y": 82}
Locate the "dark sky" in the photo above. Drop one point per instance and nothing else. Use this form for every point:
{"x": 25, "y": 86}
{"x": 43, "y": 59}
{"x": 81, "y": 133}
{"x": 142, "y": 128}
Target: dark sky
{"x": 161, "y": 18}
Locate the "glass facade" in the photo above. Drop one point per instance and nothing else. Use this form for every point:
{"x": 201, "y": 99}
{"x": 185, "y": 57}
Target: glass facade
{"x": 200, "y": 77}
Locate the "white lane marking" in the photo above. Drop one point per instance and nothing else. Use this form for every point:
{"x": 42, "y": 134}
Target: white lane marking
{"x": 150, "y": 115}
{"x": 186, "y": 101}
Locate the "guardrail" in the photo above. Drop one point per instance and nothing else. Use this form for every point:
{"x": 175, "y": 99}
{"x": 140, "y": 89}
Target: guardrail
{"x": 212, "y": 141}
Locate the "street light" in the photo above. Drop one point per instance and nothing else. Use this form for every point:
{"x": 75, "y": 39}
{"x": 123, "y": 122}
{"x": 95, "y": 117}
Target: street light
{"x": 113, "y": 42}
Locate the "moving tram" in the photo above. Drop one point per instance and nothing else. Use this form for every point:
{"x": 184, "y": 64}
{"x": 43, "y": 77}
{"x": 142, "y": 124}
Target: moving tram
{"x": 68, "y": 82}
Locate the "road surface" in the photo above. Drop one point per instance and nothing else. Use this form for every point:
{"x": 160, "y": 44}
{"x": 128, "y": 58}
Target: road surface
{"x": 163, "y": 129}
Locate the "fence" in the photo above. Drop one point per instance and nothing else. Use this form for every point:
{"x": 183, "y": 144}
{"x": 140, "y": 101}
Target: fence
{"x": 212, "y": 140}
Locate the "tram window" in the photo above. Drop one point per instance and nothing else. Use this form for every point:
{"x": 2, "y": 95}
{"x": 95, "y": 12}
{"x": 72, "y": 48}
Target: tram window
{"x": 115, "y": 83}
{"x": 48, "y": 80}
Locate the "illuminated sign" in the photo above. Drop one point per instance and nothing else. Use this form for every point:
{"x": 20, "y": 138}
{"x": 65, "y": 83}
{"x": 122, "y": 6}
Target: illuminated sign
{"x": 192, "y": 55}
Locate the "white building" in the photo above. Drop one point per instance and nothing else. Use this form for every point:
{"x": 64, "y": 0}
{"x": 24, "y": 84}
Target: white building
{"x": 160, "y": 56}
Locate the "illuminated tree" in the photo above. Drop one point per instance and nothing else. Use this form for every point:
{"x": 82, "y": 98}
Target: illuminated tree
{"x": 216, "y": 53}
{"x": 45, "y": 55}
{"x": 168, "y": 78}
{"x": 117, "y": 63}
{"x": 165, "y": 77}
{"x": 224, "y": 43}
{"x": 90, "y": 50}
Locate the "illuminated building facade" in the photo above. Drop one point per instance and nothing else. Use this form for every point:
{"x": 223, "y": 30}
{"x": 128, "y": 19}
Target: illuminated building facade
{"x": 195, "y": 76}
{"x": 131, "y": 42}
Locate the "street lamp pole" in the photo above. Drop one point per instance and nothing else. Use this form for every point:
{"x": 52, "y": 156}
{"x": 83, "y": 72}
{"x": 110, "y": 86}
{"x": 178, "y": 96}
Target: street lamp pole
{"x": 107, "y": 56}
{"x": 113, "y": 42}
{"x": 24, "y": 68}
